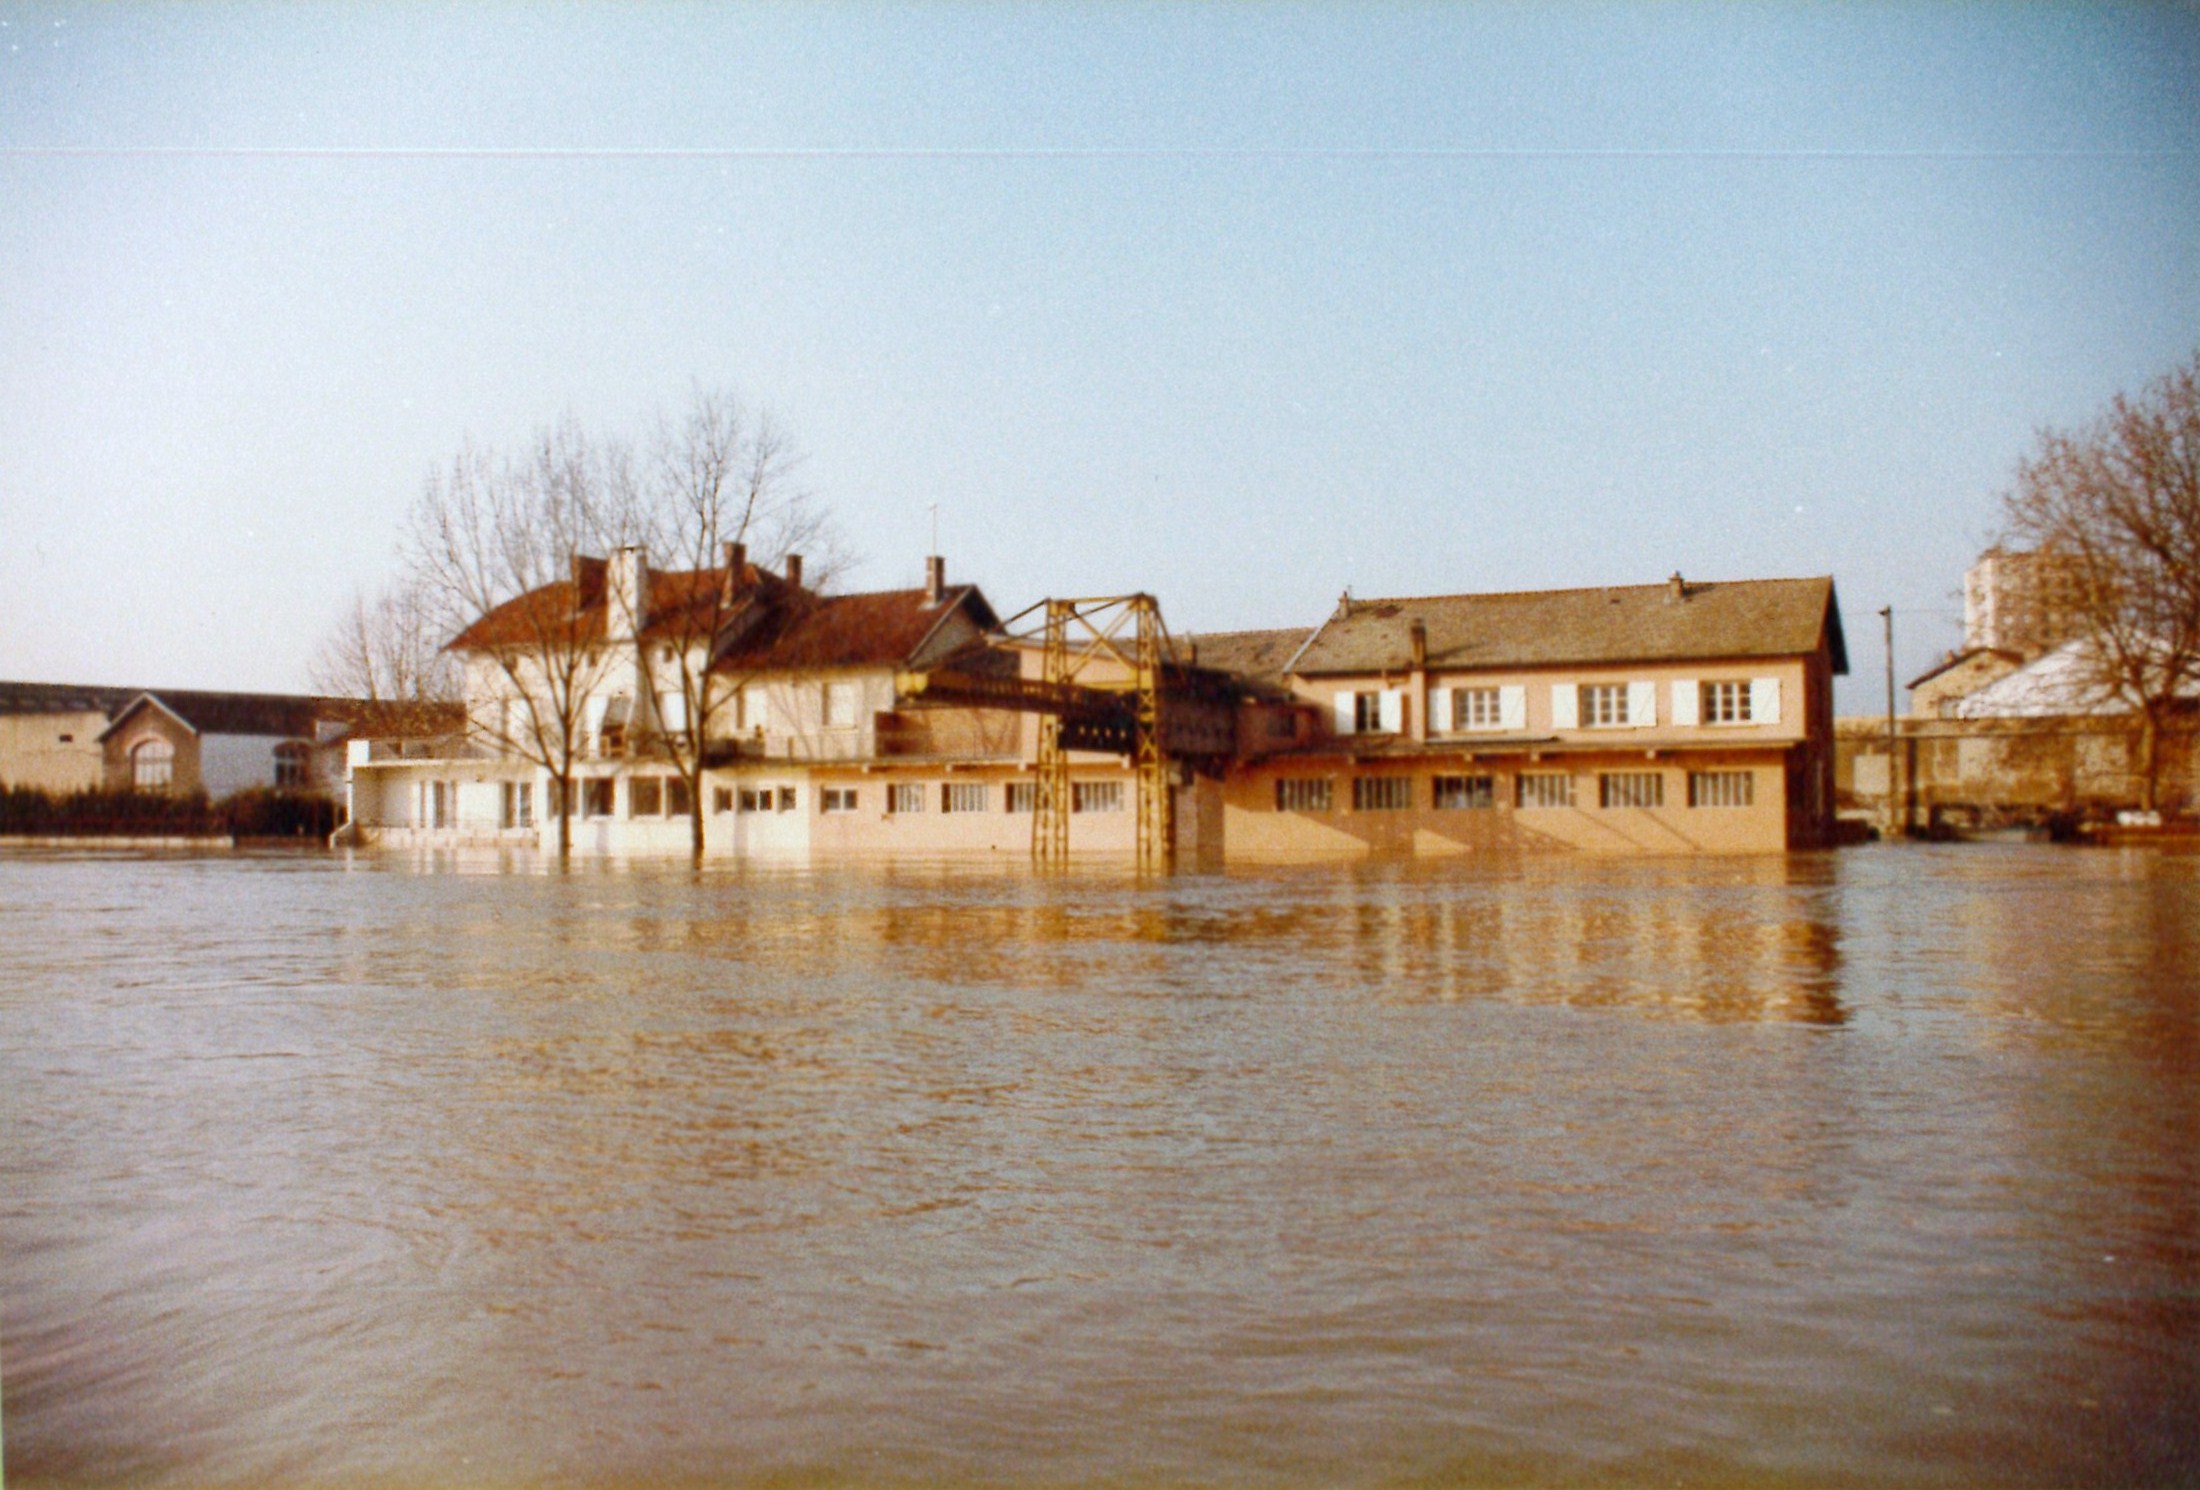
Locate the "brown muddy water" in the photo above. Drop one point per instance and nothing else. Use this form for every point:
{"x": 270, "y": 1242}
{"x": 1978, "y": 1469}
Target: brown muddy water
{"x": 1880, "y": 1167}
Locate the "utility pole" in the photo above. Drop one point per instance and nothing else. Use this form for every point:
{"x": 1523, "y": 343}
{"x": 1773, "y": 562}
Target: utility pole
{"x": 1886, "y": 614}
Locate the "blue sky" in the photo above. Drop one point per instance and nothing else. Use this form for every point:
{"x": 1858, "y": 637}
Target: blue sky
{"x": 1240, "y": 304}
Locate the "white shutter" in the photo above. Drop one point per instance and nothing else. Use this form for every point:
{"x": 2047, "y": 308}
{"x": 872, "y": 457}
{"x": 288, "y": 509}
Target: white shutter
{"x": 1565, "y": 706}
{"x": 1344, "y": 717}
{"x": 1687, "y": 694}
{"x": 672, "y": 711}
{"x": 1439, "y": 711}
{"x": 1394, "y": 711}
{"x": 1642, "y": 705}
{"x": 1512, "y": 706}
{"x": 1764, "y": 700}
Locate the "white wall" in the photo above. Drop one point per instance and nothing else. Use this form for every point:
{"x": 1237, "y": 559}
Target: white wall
{"x": 230, "y": 763}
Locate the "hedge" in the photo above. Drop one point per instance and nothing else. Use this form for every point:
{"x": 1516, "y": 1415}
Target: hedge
{"x": 257, "y": 812}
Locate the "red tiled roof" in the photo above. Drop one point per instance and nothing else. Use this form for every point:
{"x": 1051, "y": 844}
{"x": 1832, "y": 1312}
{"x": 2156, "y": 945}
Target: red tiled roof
{"x": 880, "y": 628}
{"x": 683, "y": 603}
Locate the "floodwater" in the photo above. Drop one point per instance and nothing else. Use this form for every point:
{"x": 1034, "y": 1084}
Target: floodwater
{"x": 1879, "y": 1167}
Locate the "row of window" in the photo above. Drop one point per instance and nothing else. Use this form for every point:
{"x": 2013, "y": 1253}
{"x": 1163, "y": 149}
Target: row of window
{"x": 606, "y": 719}
{"x": 153, "y": 764}
{"x": 1531, "y": 789}
{"x": 667, "y": 797}
{"x": 906, "y": 798}
{"x": 1573, "y": 706}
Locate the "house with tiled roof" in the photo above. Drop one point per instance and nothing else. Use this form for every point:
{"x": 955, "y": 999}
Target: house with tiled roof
{"x": 793, "y": 688}
{"x": 1681, "y": 717}
{"x": 1669, "y": 718}
{"x": 64, "y": 737}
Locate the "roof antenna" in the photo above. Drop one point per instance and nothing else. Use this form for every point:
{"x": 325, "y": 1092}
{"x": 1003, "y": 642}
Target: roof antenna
{"x": 934, "y": 509}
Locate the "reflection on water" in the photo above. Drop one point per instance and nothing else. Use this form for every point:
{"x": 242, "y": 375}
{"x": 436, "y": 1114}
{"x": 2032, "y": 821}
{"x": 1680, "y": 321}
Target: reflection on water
{"x": 1878, "y": 1167}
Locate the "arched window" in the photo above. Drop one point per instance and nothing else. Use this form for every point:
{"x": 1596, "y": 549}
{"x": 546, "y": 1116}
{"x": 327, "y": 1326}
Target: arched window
{"x": 152, "y": 765}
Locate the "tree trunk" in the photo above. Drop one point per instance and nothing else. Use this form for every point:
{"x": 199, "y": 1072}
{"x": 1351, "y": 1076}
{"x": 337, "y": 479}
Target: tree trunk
{"x": 564, "y": 805}
{"x": 2150, "y": 761}
{"x": 695, "y": 815}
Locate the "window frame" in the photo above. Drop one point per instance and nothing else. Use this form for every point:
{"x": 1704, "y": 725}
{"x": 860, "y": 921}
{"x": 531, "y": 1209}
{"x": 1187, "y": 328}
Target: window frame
{"x": 1602, "y": 706}
{"x": 1705, "y": 785}
{"x": 1095, "y": 796}
{"x": 1383, "y": 793}
{"x": 153, "y": 764}
{"x": 1543, "y": 784}
{"x": 1635, "y": 790}
{"x": 1452, "y": 793}
{"x": 1725, "y": 701}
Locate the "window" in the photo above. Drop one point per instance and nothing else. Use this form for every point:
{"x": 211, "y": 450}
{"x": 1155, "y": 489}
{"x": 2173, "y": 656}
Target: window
{"x": 676, "y": 796}
{"x": 1476, "y": 708}
{"x": 721, "y": 799}
{"x": 152, "y": 765}
{"x": 645, "y": 797}
{"x": 1603, "y": 705}
{"x": 787, "y": 799}
{"x": 597, "y": 795}
{"x": 1367, "y": 713}
{"x": 440, "y": 794}
{"x": 905, "y": 796}
{"x": 1726, "y": 702}
{"x": 1303, "y": 794}
{"x": 756, "y": 799}
{"x": 291, "y": 760}
{"x": 1631, "y": 789}
{"x": 1721, "y": 788}
{"x": 963, "y": 796}
{"x": 1281, "y": 724}
{"x": 1546, "y": 789}
{"x": 1096, "y": 796}
{"x": 1382, "y": 793}
{"x": 841, "y": 701}
{"x": 1023, "y": 796}
{"x": 1451, "y": 793}
{"x": 611, "y": 739}
{"x": 518, "y": 804}
{"x": 837, "y": 799}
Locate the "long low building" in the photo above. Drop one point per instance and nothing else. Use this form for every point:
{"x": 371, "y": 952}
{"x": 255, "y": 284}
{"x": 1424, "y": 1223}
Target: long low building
{"x": 1679, "y": 717}
{"x": 70, "y": 737}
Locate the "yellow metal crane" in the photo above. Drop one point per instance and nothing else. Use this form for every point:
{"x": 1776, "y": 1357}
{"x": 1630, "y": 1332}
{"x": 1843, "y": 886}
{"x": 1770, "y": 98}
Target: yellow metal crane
{"x": 1110, "y": 680}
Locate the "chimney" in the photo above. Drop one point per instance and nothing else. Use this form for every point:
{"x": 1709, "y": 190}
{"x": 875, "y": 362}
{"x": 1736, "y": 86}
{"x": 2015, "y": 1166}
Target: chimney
{"x": 794, "y": 570}
{"x": 737, "y": 558}
{"x": 935, "y": 579}
{"x": 1344, "y": 605}
{"x": 626, "y": 591}
{"x": 1417, "y": 638}
{"x": 1677, "y": 586}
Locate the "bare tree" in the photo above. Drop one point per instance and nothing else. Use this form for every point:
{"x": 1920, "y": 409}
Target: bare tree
{"x": 2118, "y": 503}
{"x": 717, "y": 486}
{"x": 389, "y": 652}
{"x": 501, "y": 552}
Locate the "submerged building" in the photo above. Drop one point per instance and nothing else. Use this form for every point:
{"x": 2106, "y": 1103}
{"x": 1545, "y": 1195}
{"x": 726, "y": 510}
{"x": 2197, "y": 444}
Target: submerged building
{"x": 1679, "y": 717}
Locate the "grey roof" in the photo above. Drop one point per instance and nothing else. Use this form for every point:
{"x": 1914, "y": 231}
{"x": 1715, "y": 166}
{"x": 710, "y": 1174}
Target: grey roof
{"x": 1545, "y": 628}
{"x": 63, "y": 698}
{"x": 1256, "y": 657}
{"x": 284, "y": 714}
